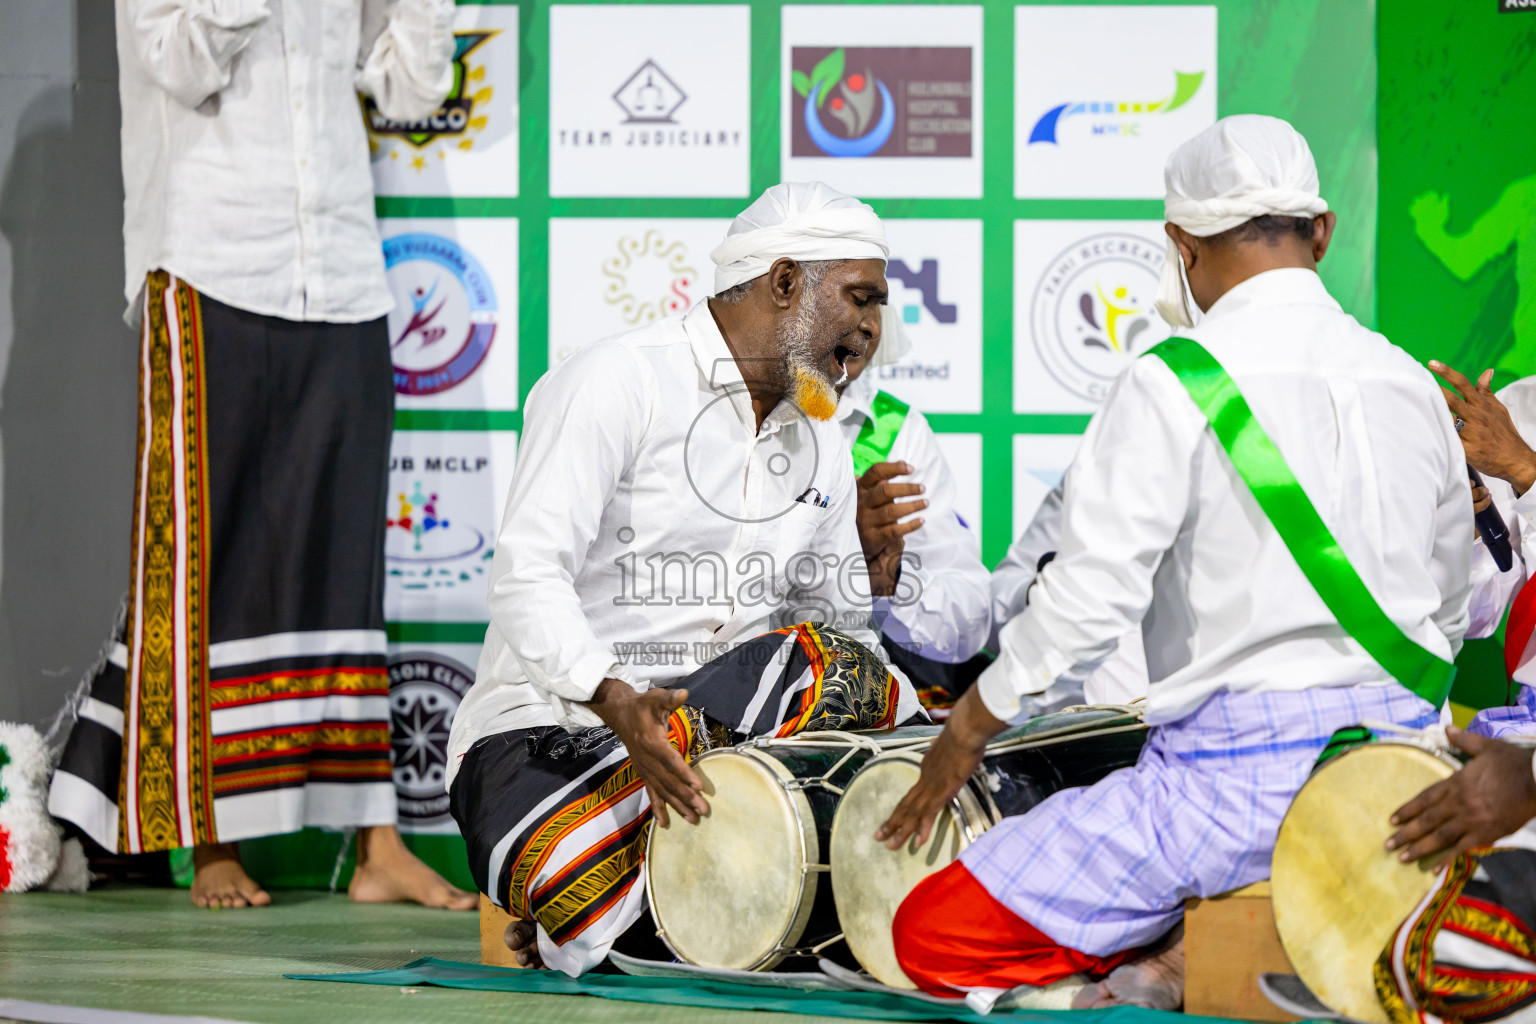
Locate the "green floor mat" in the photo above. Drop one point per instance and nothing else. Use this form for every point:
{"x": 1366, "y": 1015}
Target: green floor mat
{"x": 717, "y": 995}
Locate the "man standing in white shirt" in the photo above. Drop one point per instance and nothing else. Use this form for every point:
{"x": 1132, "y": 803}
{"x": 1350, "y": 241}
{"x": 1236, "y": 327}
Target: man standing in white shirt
{"x": 1280, "y": 498}
{"x": 247, "y": 694}
{"x": 679, "y": 489}
{"x": 929, "y": 586}
{"x": 1497, "y": 432}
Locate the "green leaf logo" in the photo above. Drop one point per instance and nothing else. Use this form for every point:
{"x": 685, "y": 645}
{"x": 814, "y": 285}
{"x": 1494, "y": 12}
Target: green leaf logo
{"x": 826, "y": 74}
{"x": 801, "y": 81}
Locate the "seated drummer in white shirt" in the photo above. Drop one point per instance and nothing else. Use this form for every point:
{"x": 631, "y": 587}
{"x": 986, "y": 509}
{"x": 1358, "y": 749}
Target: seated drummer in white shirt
{"x": 679, "y": 489}
{"x": 930, "y": 589}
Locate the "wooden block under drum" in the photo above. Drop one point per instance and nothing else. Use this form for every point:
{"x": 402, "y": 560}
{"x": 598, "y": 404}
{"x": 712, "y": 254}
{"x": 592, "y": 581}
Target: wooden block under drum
{"x": 1229, "y": 940}
{"x": 493, "y": 930}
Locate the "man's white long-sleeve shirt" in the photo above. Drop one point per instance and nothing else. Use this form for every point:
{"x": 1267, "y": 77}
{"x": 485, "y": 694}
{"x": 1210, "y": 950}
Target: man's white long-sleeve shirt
{"x": 1158, "y": 526}
{"x": 1493, "y": 591}
{"x": 651, "y": 525}
{"x": 941, "y": 603}
{"x": 1122, "y": 676}
{"x": 245, "y": 159}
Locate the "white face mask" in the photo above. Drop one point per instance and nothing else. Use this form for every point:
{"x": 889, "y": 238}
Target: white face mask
{"x": 1174, "y": 303}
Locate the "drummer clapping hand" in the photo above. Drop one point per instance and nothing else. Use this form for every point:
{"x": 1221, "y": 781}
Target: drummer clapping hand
{"x": 639, "y": 720}
{"x": 951, "y": 760}
{"x": 881, "y": 533}
{"x": 1493, "y": 796}
{"x": 1493, "y": 446}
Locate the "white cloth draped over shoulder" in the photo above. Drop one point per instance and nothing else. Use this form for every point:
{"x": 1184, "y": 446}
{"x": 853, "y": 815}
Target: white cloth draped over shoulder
{"x": 1240, "y": 168}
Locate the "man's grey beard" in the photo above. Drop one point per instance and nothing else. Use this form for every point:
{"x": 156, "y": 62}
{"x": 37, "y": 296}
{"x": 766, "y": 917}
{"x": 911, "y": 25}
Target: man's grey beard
{"x": 797, "y": 348}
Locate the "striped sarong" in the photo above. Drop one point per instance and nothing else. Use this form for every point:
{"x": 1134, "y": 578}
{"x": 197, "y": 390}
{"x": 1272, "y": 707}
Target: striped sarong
{"x": 247, "y": 693}
{"x": 1108, "y": 867}
{"x": 1518, "y": 719}
{"x": 555, "y": 821}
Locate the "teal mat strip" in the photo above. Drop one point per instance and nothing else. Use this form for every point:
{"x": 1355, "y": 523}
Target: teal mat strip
{"x": 719, "y": 995}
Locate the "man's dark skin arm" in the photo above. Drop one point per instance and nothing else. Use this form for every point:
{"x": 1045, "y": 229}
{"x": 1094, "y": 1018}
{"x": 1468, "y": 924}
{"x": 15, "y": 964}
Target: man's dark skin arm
{"x": 881, "y": 535}
{"x": 1494, "y": 447}
{"x": 951, "y": 760}
{"x": 1493, "y": 796}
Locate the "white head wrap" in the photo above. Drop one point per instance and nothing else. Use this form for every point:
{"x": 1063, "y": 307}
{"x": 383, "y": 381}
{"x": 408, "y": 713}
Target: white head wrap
{"x": 1239, "y": 168}
{"x": 807, "y": 221}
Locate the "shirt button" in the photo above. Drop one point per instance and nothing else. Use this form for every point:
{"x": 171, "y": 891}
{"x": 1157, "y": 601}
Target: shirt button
{"x": 298, "y": 104}
{"x": 303, "y": 161}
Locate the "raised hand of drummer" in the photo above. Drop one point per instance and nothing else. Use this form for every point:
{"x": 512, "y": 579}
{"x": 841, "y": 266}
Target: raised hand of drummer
{"x": 639, "y": 720}
{"x": 882, "y": 531}
{"x": 1493, "y": 796}
{"x": 951, "y": 760}
{"x": 1494, "y": 447}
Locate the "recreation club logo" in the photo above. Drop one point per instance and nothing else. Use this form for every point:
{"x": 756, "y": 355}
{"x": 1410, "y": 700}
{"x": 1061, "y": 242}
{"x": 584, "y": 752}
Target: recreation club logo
{"x": 1116, "y": 118}
{"x": 908, "y": 101}
{"x": 444, "y": 319}
{"x": 645, "y": 116}
{"x": 1092, "y": 310}
{"x": 460, "y": 117}
{"x": 650, "y": 277}
{"x": 424, "y": 692}
{"x": 426, "y": 547}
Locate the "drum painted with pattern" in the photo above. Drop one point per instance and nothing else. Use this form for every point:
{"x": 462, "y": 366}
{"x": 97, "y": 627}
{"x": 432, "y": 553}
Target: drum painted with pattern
{"x": 743, "y": 888}
{"x": 1023, "y": 766}
{"x": 1339, "y": 894}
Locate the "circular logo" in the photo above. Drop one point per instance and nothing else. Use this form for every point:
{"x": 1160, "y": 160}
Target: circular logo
{"x": 445, "y": 312}
{"x": 1092, "y": 310}
{"x": 424, "y": 692}
{"x": 701, "y": 455}
{"x": 854, "y": 115}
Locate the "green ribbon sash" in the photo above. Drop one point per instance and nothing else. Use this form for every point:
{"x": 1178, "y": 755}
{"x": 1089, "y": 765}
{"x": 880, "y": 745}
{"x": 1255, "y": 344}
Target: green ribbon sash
{"x": 1293, "y": 516}
{"x": 879, "y": 432}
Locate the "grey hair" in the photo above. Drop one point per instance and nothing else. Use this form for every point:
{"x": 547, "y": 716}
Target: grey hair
{"x": 814, "y": 272}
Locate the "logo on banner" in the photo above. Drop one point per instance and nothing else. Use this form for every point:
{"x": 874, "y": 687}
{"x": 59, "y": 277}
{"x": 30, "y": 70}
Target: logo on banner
{"x": 649, "y": 278}
{"x": 424, "y": 692}
{"x": 1092, "y": 310}
{"x": 919, "y": 292}
{"x": 650, "y": 96}
{"x": 444, "y": 318}
{"x": 427, "y": 548}
{"x": 649, "y": 100}
{"x": 881, "y": 101}
{"x": 460, "y": 116}
{"x": 1113, "y": 118}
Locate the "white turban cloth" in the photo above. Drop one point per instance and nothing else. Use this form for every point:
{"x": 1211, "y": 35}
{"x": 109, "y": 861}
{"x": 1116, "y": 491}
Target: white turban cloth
{"x": 1239, "y": 168}
{"x": 807, "y": 222}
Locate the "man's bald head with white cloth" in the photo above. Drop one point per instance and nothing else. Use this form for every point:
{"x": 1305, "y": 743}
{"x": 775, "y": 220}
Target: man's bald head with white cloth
{"x": 800, "y": 292}
{"x": 1242, "y": 198}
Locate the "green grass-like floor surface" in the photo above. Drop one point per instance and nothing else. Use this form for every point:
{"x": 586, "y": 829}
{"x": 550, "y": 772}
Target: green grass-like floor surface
{"x": 150, "y": 950}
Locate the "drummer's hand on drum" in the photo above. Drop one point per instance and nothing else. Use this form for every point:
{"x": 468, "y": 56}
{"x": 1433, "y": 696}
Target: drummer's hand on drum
{"x": 951, "y": 760}
{"x": 881, "y": 533}
{"x": 639, "y": 720}
{"x": 1493, "y": 796}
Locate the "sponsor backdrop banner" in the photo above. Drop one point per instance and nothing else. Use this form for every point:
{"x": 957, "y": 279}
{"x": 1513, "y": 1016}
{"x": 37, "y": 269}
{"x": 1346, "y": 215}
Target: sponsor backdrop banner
{"x": 591, "y": 155}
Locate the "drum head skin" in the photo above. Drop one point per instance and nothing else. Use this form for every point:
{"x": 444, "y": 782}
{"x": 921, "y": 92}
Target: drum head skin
{"x": 727, "y": 890}
{"x": 868, "y": 881}
{"x": 1339, "y": 894}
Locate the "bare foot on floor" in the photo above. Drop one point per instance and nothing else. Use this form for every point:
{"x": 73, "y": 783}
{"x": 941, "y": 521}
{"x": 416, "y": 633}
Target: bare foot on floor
{"x": 1155, "y": 982}
{"x": 522, "y": 940}
{"x": 387, "y": 872}
{"x": 219, "y": 880}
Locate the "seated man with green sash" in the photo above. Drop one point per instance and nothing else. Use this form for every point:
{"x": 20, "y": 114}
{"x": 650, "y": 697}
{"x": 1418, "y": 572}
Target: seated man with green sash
{"x": 1279, "y": 497}
{"x": 931, "y": 594}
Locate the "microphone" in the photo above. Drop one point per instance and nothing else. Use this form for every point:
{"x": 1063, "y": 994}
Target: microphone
{"x": 1490, "y": 527}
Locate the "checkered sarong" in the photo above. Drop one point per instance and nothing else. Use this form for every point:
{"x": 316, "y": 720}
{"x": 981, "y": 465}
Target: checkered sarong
{"x": 1108, "y": 867}
{"x": 1517, "y": 720}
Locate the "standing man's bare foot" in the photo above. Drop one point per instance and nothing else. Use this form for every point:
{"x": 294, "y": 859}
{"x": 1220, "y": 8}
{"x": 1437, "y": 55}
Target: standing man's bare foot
{"x": 387, "y": 872}
{"x": 1155, "y": 982}
{"x": 523, "y": 940}
{"x": 219, "y": 879}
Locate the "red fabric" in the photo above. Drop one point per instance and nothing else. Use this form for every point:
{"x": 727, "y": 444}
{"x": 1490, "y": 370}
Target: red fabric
{"x": 952, "y": 935}
{"x": 1517, "y": 632}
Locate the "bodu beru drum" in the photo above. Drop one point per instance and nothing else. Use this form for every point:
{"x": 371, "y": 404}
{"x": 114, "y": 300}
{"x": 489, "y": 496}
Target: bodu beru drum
{"x": 743, "y": 889}
{"x": 1023, "y": 766}
{"x": 1339, "y": 894}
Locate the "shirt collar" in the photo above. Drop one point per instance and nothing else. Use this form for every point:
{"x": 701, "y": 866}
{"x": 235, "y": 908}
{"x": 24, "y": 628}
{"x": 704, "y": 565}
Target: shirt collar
{"x": 718, "y": 367}
{"x": 1288, "y": 286}
{"x": 858, "y": 399}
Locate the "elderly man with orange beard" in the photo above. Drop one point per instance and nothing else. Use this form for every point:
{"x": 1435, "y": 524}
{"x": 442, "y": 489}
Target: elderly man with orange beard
{"x": 678, "y": 490}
